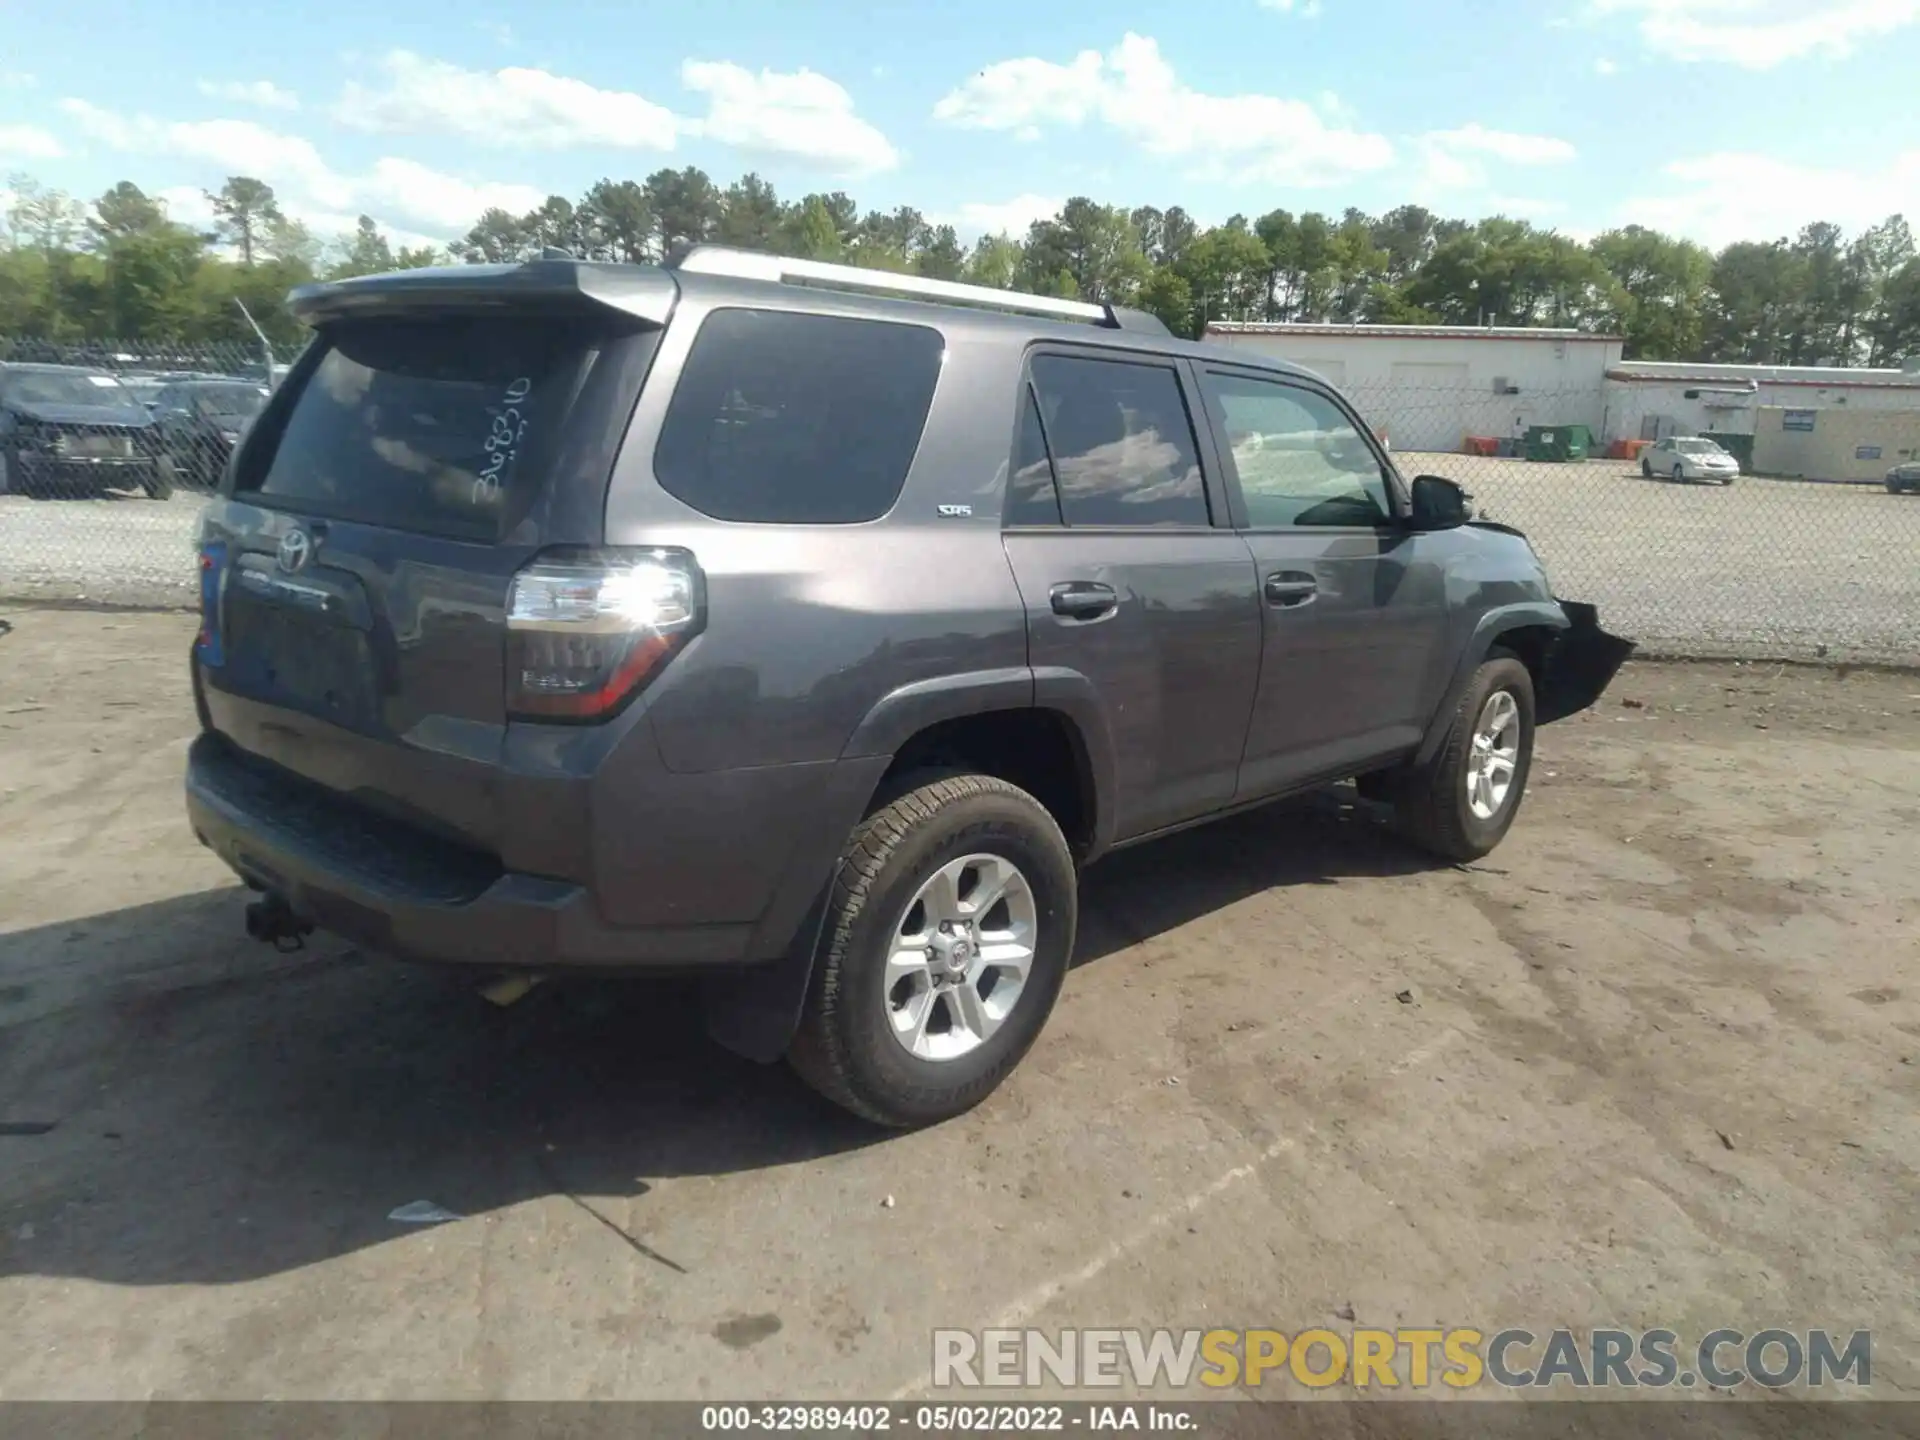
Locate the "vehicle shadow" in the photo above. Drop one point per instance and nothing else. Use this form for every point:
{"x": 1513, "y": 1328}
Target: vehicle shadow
{"x": 1326, "y": 837}
{"x": 219, "y": 1112}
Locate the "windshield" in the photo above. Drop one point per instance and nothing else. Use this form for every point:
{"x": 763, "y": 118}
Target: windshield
{"x": 1697, "y": 447}
{"x": 228, "y": 399}
{"x": 64, "y": 387}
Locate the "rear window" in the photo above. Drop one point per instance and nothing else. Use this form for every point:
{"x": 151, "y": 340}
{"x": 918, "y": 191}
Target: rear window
{"x": 442, "y": 426}
{"x": 63, "y": 387}
{"x": 228, "y": 399}
{"x": 797, "y": 419}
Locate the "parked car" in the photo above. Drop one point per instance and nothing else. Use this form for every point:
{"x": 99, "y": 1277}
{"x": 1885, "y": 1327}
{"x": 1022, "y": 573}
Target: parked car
{"x": 70, "y": 431}
{"x": 198, "y": 422}
{"x": 1904, "y": 478}
{"x": 1689, "y": 457}
{"x": 813, "y": 640}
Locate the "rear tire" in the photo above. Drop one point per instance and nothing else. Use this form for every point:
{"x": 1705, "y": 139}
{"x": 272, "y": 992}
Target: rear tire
{"x": 849, "y": 1046}
{"x": 1432, "y": 804}
{"x": 6, "y": 477}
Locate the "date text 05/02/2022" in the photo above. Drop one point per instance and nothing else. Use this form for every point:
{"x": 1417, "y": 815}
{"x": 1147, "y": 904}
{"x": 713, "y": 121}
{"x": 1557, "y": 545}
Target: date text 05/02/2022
{"x": 947, "y": 1419}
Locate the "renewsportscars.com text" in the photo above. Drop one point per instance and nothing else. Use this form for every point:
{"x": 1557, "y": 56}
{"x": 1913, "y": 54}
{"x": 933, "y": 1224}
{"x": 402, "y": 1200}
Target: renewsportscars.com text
{"x": 1416, "y": 1359}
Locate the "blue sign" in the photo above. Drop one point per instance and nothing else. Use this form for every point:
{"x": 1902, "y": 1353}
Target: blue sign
{"x": 1866, "y": 452}
{"x": 1798, "y": 419}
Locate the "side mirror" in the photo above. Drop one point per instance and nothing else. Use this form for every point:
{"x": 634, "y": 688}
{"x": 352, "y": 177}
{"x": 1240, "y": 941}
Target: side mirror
{"x": 1439, "y": 504}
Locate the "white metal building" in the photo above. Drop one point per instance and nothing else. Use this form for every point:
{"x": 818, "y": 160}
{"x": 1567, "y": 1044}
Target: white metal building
{"x": 1650, "y": 399}
{"x": 1430, "y": 386}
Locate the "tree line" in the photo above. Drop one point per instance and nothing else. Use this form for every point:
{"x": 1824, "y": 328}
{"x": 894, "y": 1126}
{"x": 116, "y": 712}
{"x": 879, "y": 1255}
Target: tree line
{"x": 119, "y": 266}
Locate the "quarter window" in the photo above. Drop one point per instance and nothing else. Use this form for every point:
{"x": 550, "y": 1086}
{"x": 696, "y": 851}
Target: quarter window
{"x": 1122, "y": 446}
{"x": 797, "y": 419}
{"x": 1297, "y": 457}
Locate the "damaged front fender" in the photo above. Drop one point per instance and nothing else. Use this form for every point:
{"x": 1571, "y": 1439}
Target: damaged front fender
{"x": 1579, "y": 666}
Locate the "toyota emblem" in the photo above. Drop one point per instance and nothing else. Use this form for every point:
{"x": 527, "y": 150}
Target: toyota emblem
{"x": 296, "y": 549}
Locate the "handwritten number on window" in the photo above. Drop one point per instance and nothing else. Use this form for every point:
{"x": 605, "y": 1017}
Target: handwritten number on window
{"x": 502, "y": 444}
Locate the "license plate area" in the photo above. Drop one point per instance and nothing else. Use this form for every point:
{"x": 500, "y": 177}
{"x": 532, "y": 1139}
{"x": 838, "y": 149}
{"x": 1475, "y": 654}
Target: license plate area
{"x": 301, "y": 659}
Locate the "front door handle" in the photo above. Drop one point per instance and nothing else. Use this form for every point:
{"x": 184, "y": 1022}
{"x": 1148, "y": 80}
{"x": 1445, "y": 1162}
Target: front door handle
{"x": 1288, "y": 588}
{"x": 1083, "y": 599}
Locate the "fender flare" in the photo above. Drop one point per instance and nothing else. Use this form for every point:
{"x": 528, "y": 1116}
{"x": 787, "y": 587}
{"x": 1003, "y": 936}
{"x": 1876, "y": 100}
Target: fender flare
{"x": 756, "y": 1012}
{"x": 1522, "y": 615}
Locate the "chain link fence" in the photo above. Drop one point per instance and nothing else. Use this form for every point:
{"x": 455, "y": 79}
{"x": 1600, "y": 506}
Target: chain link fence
{"x": 101, "y": 504}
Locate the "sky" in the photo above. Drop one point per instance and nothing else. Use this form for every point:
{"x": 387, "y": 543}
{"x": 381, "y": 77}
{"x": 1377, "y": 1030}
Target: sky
{"x": 1717, "y": 119}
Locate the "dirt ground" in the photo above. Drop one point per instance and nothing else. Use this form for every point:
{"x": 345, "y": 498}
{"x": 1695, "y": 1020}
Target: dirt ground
{"x": 1655, "y": 1062}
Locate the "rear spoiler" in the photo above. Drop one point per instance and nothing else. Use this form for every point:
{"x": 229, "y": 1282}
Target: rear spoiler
{"x": 644, "y": 292}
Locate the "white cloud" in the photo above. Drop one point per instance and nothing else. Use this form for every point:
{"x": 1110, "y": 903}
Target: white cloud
{"x": 1604, "y": 66}
{"x": 442, "y": 201}
{"x": 1720, "y": 198}
{"x": 264, "y": 93}
{"x": 801, "y": 114}
{"x": 17, "y": 80}
{"x": 29, "y": 142}
{"x": 309, "y": 189}
{"x": 1305, "y": 9}
{"x": 1515, "y": 149}
{"x": 1006, "y": 217}
{"x": 1457, "y": 162}
{"x": 1133, "y": 90}
{"x": 498, "y": 31}
{"x": 515, "y": 108}
{"x": 1761, "y": 34}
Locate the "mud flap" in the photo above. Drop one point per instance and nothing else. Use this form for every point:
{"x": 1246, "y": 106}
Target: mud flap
{"x": 1582, "y": 663}
{"x": 755, "y": 1012}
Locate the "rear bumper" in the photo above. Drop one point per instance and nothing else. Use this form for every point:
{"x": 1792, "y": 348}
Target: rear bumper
{"x": 399, "y": 891}
{"x": 78, "y": 472}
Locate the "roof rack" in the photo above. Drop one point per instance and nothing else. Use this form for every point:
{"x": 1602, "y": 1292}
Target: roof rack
{"x": 755, "y": 265}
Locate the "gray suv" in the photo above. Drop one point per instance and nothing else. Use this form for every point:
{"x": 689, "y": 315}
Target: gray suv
{"x": 808, "y": 629}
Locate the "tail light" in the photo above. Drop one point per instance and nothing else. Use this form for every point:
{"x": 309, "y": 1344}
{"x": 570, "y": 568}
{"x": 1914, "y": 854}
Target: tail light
{"x": 213, "y": 557}
{"x": 586, "y": 630}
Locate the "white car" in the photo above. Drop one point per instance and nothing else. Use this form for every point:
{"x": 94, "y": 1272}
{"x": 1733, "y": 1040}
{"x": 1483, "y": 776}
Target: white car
{"x": 1689, "y": 457}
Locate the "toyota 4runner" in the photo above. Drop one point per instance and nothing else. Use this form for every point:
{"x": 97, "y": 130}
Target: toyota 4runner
{"x": 808, "y": 630}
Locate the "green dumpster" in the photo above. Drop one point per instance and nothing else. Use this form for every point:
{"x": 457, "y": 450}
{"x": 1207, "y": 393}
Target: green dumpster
{"x": 1559, "y": 443}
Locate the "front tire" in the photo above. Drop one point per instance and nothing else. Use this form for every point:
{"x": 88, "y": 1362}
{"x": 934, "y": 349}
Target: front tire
{"x": 159, "y": 486}
{"x": 937, "y": 894}
{"x": 1461, "y": 804}
{"x": 1646, "y": 469}
{"x": 1680, "y": 474}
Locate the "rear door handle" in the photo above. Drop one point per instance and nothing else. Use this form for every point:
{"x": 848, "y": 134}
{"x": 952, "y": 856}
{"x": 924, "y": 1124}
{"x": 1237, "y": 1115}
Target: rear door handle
{"x": 1083, "y": 599}
{"x": 1288, "y": 588}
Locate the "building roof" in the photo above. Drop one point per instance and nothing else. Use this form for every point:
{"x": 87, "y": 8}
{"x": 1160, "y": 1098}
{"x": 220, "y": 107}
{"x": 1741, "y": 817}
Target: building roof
{"x": 1405, "y": 332}
{"x": 1819, "y": 376}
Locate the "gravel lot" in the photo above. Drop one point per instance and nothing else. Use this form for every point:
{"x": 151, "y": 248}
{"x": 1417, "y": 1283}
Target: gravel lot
{"x": 1656, "y": 1062}
{"x": 1766, "y": 568}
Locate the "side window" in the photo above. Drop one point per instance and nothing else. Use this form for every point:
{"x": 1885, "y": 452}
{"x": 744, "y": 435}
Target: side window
{"x": 1122, "y": 445}
{"x": 1031, "y": 496}
{"x": 1297, "y": 456}
{"x": 788, "y": 418}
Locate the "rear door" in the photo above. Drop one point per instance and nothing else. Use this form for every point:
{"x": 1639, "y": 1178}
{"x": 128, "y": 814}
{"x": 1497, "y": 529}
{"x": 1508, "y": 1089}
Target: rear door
{"x": 1128, "y": 580}
{"x": 404, "y": 472}
{"x": 1353, "y": 603}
